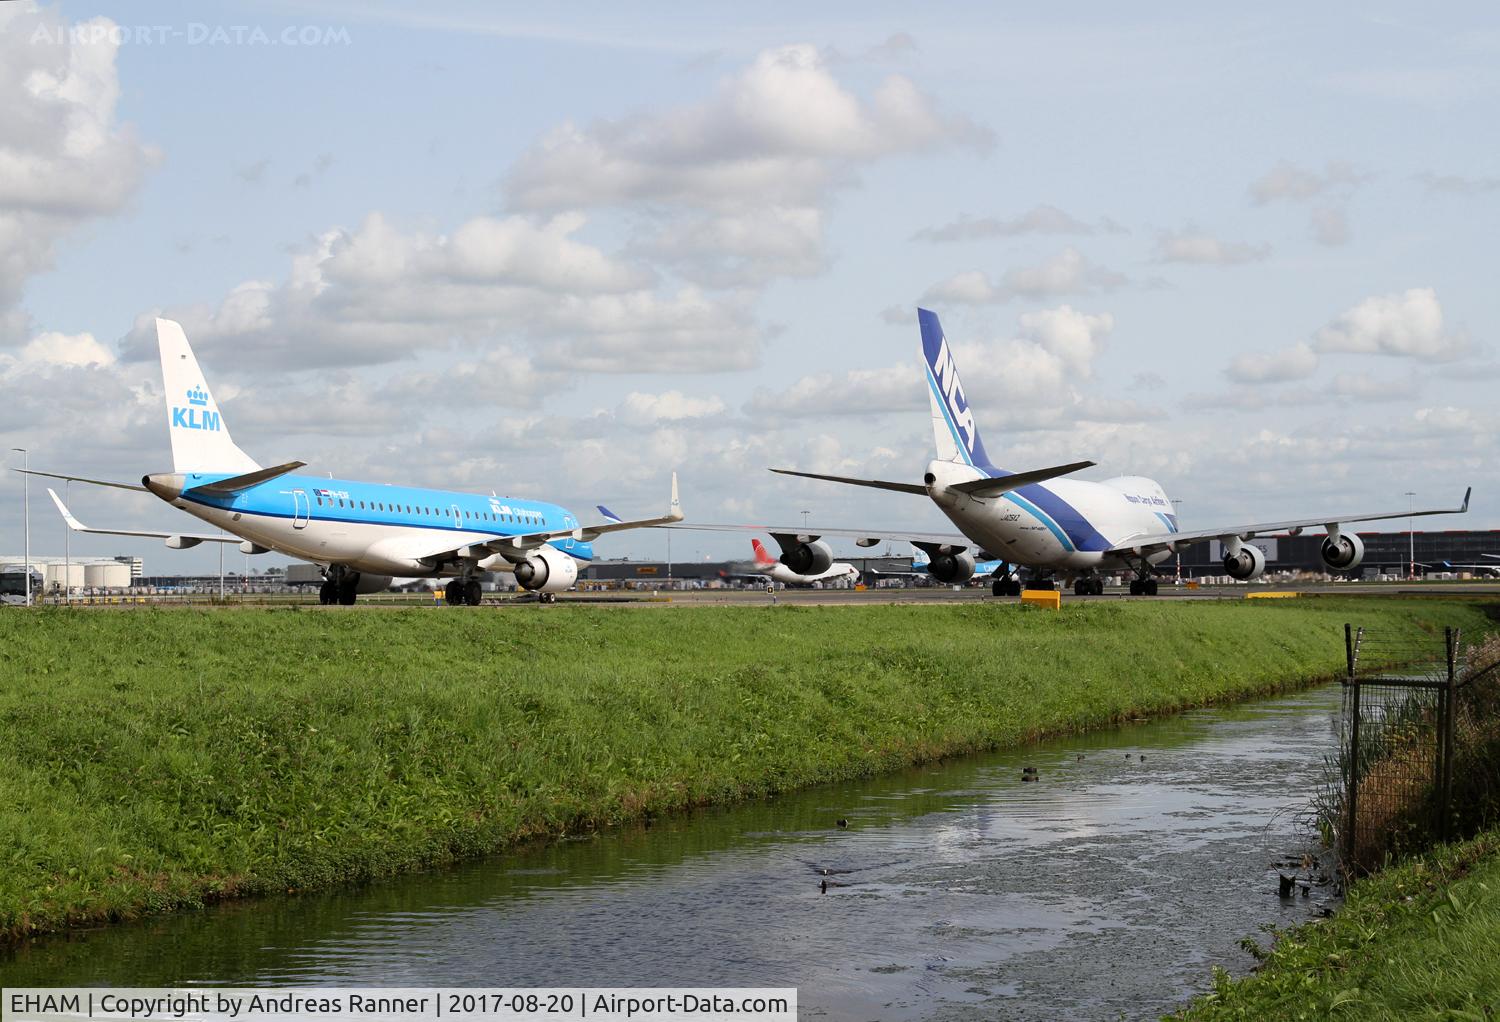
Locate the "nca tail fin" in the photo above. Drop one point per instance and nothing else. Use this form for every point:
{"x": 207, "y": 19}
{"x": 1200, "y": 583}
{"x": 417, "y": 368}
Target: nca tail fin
{"x": 200, "y": 437}
{"x": 953, "y": 427}
{"x": 763, "y": 558}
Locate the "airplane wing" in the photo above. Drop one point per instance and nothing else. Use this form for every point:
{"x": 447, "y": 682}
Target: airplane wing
{"x": 1149, "y": 542}
{"x": 516, "y": 548}
{"x": 191, "y": 539}
{"x": 979, "y": 487}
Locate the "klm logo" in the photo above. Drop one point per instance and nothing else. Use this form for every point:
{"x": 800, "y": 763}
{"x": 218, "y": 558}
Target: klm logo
{"x": 196, "y": 415}
{"x": 945, "y": 371}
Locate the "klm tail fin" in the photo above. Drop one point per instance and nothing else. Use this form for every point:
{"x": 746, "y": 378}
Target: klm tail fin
{"x": 200, "y": 437}
{"x": 953, "y": 426}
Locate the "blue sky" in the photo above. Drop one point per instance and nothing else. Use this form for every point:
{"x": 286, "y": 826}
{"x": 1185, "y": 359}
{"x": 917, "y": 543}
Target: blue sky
{"x": 560, "y": 253}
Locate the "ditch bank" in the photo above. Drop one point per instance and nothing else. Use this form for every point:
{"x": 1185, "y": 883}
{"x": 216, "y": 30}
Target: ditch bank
{"x": 155, "y": 760}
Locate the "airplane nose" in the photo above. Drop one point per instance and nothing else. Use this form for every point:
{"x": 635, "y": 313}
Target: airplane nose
{"x": 166, "y": 485}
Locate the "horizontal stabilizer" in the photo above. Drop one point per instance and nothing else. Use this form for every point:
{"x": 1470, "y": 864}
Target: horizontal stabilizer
{"x": 81, "y": 479}
{"x": 878, "y": 484}
{"x": 238, "y": 484}
{"x": 1004, "y": 484}
{"x": 182, "y": 540}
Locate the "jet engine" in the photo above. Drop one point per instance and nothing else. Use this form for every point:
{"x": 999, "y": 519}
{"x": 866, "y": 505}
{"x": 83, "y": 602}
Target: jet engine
{"x": 1342, "y": 553}
{"x": 368, "y": 583}
{"x": 548, "y": 570}
{"x": 808, "y": 558}
{"x": 955, "y": 569}
{"x": 1247, "y": 564}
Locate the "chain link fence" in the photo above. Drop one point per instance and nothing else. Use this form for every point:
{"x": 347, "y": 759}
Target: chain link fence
{"x": 1419, "y": 757}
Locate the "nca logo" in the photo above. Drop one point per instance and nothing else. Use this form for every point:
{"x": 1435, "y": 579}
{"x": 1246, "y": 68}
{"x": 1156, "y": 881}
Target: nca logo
{"x": 945, "y": 371}
{"x": 196, "y": 415}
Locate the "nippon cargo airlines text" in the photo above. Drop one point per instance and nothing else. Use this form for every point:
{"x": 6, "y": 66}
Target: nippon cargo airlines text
{"x": 390, "y": 1004}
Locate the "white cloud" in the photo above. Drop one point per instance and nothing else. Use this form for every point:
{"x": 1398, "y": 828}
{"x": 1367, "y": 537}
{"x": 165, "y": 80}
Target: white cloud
{"x": 1193, "y": 246}
{"x": 1330, "y": 225}
{"x": 670, "y": 406}
{"x": 1043, "y": 219}
{"x": 1067, "y": 273}
{"x": 1287, "y": 182}
{"x": 856, "y": 392}
{"x": 729, "y": 191}
{"x": 64, "y": 159}
{"x": 379, "y": 294}
{"x": 1364, "y": 387}
{"x": 777, "y": 133}
{"x": 1295, "y": 363}
{"x": 1408, "y": 324}
{"x": 1457, "y": 184}
{"x": 66, "y": 350}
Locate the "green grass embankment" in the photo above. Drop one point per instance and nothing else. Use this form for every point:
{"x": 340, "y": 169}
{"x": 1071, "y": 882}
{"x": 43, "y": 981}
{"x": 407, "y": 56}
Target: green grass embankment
{"x": 156, "y": 759}
{"x": 1420, "y": 940}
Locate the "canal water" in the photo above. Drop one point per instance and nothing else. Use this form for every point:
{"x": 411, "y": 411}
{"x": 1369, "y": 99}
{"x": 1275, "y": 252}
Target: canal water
{"x": 1107, "y": 889}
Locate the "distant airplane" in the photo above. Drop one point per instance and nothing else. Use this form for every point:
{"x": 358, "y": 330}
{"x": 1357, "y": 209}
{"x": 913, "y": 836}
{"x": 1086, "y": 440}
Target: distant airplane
{"x": 834, "y": 574}
{"x": 361, "y": 534}
{"x": 920, "y": 560}
{"x": 1490, "y": 568}
{"x": 1054, "y": 526}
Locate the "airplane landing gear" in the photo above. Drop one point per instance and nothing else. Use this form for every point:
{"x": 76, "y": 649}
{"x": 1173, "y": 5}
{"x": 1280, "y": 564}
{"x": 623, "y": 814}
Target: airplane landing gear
{"x": 339, "y": 586}
{"x": 1088, "y": 585}
{"x": 463, "y": 592}
{"x": 1143, "y": 587}
{"x": 1005, "y": 585}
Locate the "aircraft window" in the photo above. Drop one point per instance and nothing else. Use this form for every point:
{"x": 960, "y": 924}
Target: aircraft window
{"x": 362, "y": 506}
{"x": 320, "y": 502}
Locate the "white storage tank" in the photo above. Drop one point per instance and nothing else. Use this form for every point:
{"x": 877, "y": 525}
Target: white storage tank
{"x": 59, "y": 574}
{"x": 107, "y": 575}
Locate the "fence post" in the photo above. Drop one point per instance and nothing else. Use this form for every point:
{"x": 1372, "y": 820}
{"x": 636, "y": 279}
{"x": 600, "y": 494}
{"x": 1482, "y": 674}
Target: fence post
{"x": 1445, "y": 738}
{"x": 1352, "y": 801}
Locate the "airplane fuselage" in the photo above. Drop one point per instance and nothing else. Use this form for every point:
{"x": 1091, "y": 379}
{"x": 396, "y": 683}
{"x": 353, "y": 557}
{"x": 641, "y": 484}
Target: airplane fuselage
{"x": 368, "y": 527}
{"x": 1065, "y": 524}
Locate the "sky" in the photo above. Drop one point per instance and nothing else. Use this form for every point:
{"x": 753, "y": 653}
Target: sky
{"x": 562, "y": 252}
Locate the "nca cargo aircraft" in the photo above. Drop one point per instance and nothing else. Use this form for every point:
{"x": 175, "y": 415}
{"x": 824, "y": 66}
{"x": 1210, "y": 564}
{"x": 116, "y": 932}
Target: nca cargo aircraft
{"x": 361, "y": 534}
{"x": 1037, "y": 519}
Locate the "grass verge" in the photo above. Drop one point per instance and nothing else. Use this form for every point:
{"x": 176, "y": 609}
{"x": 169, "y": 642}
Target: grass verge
{"x": 154, "y": 759}
{"x": 1417, "y": 941}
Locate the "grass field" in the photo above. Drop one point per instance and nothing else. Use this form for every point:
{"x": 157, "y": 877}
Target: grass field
{"x": 1417, "y": 941}
{"x": 154, "y": 759}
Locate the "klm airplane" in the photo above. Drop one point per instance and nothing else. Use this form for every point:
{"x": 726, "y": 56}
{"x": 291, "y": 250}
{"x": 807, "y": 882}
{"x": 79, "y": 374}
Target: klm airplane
{"x": 361, "y": 534}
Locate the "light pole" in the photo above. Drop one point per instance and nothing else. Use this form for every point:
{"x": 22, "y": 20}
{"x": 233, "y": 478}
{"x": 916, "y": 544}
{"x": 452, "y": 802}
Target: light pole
{"x": 26, "y": 504}
{"x": 1176, "y": 501}
{"x": 67, "y": 552}
{"x": 804, "y": 520}
{"x": 1411, "y": 539}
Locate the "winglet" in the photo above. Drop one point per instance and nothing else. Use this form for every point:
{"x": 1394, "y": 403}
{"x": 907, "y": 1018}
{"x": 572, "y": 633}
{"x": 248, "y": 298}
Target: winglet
{"x": 674, "y": 510}
{"x": 1465, "y": 508}
{"x": 73, "y": 523}
{"x": 607, "y": 513}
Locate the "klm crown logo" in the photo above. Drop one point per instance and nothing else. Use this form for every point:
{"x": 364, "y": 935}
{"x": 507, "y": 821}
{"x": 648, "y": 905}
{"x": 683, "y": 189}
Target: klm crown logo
{"x": 196, "y": 415}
